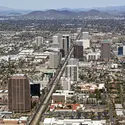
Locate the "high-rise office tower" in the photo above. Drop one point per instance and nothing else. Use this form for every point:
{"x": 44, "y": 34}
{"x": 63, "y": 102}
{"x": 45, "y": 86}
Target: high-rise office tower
{"x": 73, "y": 61}
{"x": 63, "y": 45}
{"x": 34, "y": 89}
{"x": 78, "y": 51}
{"x": 71, "y": 71}
{"x": 54, "y": 60}
{"x": 19, "y": 94}
{"x": 85, "y": 35}
{"x": 39, "y": 40}
{"x": 86, "y": 43}
{"x": 105, "y": 50}
{"x": 68, "y": 41}
{"x": 121, "y": 50}
{"x": 57, "y": 39}
{"x": 62, "y": 53}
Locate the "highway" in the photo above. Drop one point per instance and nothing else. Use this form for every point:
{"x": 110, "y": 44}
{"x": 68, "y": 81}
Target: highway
{"x": 52, "y": 86}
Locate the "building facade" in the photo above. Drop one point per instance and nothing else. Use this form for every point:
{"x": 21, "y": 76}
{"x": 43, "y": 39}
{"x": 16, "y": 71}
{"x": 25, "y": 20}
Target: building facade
{"x": 19, "y": 94}
{"x": 63, "y": 45}
{"x": 73, "y": 61}
{"x": 57, "y": 39}
{"x": 54, "y": 60}
{"x": 39, "y": 40}
{"x": 85, "y": 35}
{"x": 61, "y": 96}
{"x": 94, "y": 56}
{"x": 66, "y": 83}
{"x": 71, "y": 71}
{"x": 105, "y": 50}
{"x": 85, "y": 43}
{"x": 78, "y": 51}
{"x": 53, "y": 121}
{"x": 68, "y": 41}
{"x": 121, "y": 50}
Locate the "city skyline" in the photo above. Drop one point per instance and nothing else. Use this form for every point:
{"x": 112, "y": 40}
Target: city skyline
{"x": 56, "y": 4}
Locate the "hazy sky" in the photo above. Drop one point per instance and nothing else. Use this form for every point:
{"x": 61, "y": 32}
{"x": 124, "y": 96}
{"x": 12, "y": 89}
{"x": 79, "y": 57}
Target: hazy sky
{"x": 55, "y": 4}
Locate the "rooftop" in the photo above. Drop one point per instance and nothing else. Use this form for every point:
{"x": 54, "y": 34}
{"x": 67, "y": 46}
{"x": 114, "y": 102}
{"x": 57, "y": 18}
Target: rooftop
{"x": 66, "y": 107}
{"x": 106, "y": 41}
{"x": 18, "y": 76}
{"x": 73, "y": 121}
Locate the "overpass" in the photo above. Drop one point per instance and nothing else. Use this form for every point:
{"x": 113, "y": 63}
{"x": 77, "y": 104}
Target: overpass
{"x": 52, "y": 86}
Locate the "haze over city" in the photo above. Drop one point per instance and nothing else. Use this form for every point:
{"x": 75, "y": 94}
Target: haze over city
{"x": 56, "y": 4}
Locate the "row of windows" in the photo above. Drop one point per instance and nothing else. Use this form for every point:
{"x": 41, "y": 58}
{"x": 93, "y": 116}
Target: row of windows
{"x": 93, "y": 57}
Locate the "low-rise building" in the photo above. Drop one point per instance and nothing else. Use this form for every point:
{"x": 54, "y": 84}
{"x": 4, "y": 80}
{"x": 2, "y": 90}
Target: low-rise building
{"x": 26, "y": 52}
{"x": 87, "y": 87}
{"x": 61, "y": 96}
{"x": 66, "y": 83}
{"x": 61, "y": 107}
{"x": 119, "y": 110}
{"x": 51, "y": 121}
{"x": 94, "y": 56}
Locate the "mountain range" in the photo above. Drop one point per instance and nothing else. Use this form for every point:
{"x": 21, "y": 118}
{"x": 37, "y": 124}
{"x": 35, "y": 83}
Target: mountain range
{"x": 109, "y": 8}
{"x": 106, "y": 9}
{"x": 64, "y": 13}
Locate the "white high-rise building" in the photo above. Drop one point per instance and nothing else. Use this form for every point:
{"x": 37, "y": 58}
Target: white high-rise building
{"x": 85, "y": 35}
{"x": 57, "y": 39}
{"x": 54, "y": 60}
{"x": 39, "y": 40}
{"x": 71, "y": 71}
{"x": 73, "y": 61}
{"x": 66, "y": 83}
{"x": 79, "y": 42}
{"x": 84, "y": 42}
